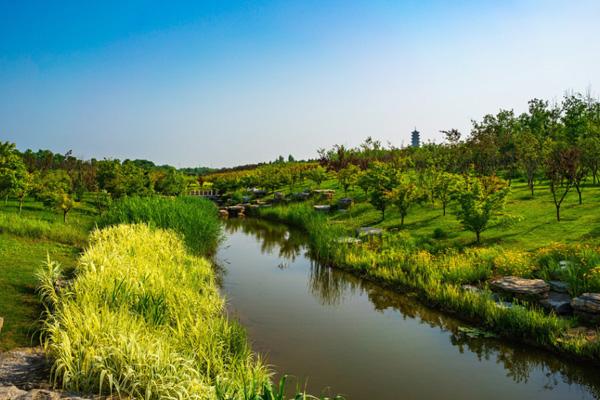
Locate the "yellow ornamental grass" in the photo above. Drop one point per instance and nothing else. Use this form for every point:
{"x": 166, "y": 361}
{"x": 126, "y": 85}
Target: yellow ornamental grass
{"x": 143, "y": 318}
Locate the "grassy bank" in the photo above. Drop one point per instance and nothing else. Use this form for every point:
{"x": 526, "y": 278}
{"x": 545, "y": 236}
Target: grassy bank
{"x": 194, "y": 218}
{"x": 26, "y": 240}
{"x": 436, "y": 273}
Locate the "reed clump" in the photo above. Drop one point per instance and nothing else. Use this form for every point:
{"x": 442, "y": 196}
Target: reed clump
{"x": 194, "y": 218}
{"x": 143, "y": 318}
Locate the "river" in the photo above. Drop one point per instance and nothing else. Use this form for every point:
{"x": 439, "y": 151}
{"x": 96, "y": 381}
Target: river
{"x": 337, "y": 334}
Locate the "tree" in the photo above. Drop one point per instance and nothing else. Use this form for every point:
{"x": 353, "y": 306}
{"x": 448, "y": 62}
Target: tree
{"x": 590, "y": 154}
{"x": 317, "y": 175}
{"x": 171, "y": 183}
{"x": 447, "y": 186}
{"x": 403, "y": 195}
{"x": 23, "y": 188}
{"x": 65, "y": 203}
{"x": 102, "y": 201}
{"x": 379, "y": 179}
{"x": 52, "y": 183}
{"x": 430, "y": 178}
{"x": 529, "y": 156}
{"x": 348, "y": 176}
{"x": 478, "y": 206}
{"x": 12, "y": 169}
{"x": 561, "y": 169}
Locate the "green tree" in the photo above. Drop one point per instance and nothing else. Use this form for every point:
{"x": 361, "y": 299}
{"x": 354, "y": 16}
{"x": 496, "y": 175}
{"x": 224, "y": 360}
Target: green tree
{"x": 561, "y": 170}
{"x": 102, "y": 201}
{"x": 347, "y": 177}
{"x": 65, "y": 203}
{"x": 447, "y": 186}
{"x": 317, "y": 175}
{"x": 13, "y": 172}
{"x": 23, "y": 188}
{"x": 529, "y": 156}
{"x": 379, "y": 179}
{"x": 478, "y": 206}
{"x": 403, "y": 195}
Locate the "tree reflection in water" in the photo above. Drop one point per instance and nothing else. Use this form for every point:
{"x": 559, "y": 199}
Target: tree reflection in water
{"x": 332, "y": 286}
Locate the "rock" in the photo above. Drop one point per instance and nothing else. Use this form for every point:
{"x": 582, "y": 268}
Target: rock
{"x": 565, "y": 264}
{"x": 223, "y": 213}
{"x": 521, "y": 287}
{"x": 587, "y": 306}
{"x": 345, "y": 202}
{"x": 560, "y": 303}
{"x": 368, "y": 231}
{"x": 470, "y": 288}
{"x": 559, "y": 286}
{"x": 234, "y": 211}
{"x": 348, "y": 240}
{"x": 322, "y": 208}
{"x": 11, "y": 392}
{"x": 26, "y": 368}
{"x": 40, "y": 394}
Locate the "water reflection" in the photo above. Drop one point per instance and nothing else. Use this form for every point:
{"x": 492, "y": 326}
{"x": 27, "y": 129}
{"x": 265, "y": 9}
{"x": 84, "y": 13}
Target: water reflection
{"x": 332, "y": 287}
{"x": 272, "y": 237}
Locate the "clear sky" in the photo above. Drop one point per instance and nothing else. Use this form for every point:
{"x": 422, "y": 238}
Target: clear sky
{"x": 222, "y": 83}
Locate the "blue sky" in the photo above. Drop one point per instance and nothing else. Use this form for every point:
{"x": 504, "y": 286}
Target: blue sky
{"x": 222, "y": 83}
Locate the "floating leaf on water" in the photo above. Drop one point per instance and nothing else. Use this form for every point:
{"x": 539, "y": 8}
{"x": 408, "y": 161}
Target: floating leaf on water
{"x": 475, "y": 333}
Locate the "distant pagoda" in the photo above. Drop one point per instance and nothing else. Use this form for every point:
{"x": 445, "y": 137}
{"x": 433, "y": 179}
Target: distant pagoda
{"x": 415, "y": 139}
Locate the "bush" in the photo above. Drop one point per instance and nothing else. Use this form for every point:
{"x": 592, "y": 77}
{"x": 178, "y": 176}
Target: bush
{"x": 439, "y": 233}
{"x": 195, "y": 218}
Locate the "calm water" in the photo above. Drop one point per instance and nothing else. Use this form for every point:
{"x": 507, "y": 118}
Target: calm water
{"x": 338, "y": 334}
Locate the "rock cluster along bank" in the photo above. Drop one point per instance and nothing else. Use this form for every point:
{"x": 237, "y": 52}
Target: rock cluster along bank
{"x": 24, "y": 375}
{"x": 550, "y": 295}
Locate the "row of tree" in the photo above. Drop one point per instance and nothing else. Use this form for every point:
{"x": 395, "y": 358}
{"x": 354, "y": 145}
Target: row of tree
{"x": 61, "y": 181}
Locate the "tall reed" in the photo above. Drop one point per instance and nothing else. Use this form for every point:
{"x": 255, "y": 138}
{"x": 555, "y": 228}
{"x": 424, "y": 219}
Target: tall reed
{"x": 196, "y": 219}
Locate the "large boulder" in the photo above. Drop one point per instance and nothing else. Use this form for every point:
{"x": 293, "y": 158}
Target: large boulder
{"x": 587, "y": 306}
{"x": 324, "y": 208}
{"x": 531, "y": 289}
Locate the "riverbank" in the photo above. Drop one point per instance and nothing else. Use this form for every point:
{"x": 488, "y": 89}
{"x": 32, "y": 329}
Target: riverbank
{"x": 26, "y": 240}
{"x": 437, "y": 278}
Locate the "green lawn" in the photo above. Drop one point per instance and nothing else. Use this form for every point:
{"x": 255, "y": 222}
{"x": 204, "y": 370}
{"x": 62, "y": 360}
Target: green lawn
{"x": 533, "y": 224}
{"x": 22, "y": 254}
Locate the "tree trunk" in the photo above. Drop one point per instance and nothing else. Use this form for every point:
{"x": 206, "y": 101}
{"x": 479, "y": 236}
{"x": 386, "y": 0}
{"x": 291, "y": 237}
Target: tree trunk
{"x": 401, "y": 220}
{"x": 579, "y": 194}
{"x": 558, "y": 212}
{"x": 65, "y": 216}
{"x": 20, "y": 205}
{"x": 444, "y": 208}
{"x": 478, "y": 236}
{"x": 531, "y": 187}
{"x": 383, "y": 214}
